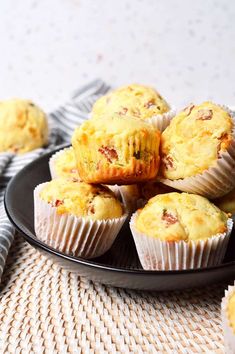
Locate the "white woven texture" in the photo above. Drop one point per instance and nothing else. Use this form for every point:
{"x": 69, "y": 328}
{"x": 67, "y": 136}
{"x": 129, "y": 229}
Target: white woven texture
{"x": 44, "y": 309}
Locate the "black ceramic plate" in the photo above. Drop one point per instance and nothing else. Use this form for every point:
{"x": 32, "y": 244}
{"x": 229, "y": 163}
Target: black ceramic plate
{"x": 120, "y": 265}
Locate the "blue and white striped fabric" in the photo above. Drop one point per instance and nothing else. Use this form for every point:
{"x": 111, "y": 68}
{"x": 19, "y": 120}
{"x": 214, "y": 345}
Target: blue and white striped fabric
{"x": 62, "y": 124}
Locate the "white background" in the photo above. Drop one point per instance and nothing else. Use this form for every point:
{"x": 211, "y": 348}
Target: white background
{"x": 185, "y": 48}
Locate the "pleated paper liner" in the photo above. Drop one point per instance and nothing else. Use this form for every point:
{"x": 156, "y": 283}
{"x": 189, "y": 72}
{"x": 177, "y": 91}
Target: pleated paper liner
{"x": 229, "y": 334}
{"x": 214, "y": 182}
{"x": 130, "y": 196}
{"x": 155, "y": 254}
{"x": 161, "y": 121}
{"x": 77, "y": 236}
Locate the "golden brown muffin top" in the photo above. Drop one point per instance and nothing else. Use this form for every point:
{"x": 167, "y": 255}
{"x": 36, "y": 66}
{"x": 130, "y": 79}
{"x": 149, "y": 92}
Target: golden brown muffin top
{"x": 81, "y": 199}
{"x": 180, "y": 216}
{"x": 135, "y": 100}
{"x": 194, "y": 140}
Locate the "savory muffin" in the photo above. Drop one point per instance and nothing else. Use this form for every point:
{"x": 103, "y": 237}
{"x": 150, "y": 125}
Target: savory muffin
{"x": 228, "y": 319}
{"x": 63, "y": 164}
{"x": 77, "y": 218}
{"x": 133, "y": 100}
{"x": 194, "y": 140}
{"x": 23, "y": 126}
{"x": 81, "y": 199}
{"x": 135, "y": 196}
{"x": 181, "y": 216}
{"x": 116, "y": 150}
{"x": 179, "y": 231}
{"x": 227, "y": 202}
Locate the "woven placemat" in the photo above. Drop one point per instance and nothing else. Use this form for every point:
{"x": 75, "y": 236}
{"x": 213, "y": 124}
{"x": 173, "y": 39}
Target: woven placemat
{"x": 44, "y": 309}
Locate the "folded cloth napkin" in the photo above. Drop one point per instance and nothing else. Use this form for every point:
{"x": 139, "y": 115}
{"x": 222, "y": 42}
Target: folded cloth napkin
{"x": 62, "y": 123}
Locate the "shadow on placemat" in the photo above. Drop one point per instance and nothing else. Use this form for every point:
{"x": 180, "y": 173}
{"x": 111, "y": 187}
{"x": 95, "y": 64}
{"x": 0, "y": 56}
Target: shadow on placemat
{"x": 20, "y": 258}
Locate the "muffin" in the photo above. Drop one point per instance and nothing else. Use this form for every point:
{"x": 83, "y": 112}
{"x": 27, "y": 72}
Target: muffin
{"x": 228, "y": 319}
{"x": 137, "y": 101}
{"x": 198, "y": 151}
{"x": 77, "y": 218}
{"x": 177, "y": 231}
{"x": 227, "y": 202}
{"x": 135, "y": 196}
{"x": 63, "y": 164}
{"x": 116, "y": 150}
{"x": 23, "y": 126}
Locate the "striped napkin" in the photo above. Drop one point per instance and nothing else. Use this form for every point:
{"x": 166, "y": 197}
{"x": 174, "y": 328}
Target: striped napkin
{"x": 62, "y": 123}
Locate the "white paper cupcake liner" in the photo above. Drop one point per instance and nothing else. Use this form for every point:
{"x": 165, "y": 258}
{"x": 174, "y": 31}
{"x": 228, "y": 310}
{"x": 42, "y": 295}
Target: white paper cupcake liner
{"x": 155, "y": 254}
{"x": 161, "y": 121}
{"x": 214, "y": 182}
{"x": 130, "y": 198}
{"x": 229, "y": 335}
{"x": 77, "y": 236}
{"x": 115, "y": 189}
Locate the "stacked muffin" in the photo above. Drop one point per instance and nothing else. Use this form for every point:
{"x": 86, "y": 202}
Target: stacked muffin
{"x": 135, "y": 144}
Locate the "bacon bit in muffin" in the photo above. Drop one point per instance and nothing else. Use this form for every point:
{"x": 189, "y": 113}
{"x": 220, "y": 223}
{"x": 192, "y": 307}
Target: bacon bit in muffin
{"x": 15, "y": 148}
{"x": 168, "y": 162}
{"x": 169, "y": 218}
{"x": 149, "y": 104}
{"x": 98, "y": 165}
{"x": 91, "y": 209}
{"x": 123, "y": 111}
{"x": 188, "y": 109}
{"x": 204, "y": 114}
{"x": 75, "y": 179}
{"x": 137, "y": 155}
{"x": 58, "y": 202}
{"x": 224, "y": 143}
{"x": 109, "y": 152}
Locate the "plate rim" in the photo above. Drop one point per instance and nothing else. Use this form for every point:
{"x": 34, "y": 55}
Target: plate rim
{"x": 87, "y": 262}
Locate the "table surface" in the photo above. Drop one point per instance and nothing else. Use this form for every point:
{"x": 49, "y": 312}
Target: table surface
{"x": 44, "y": 309}
{"x": 185, "y": 48}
